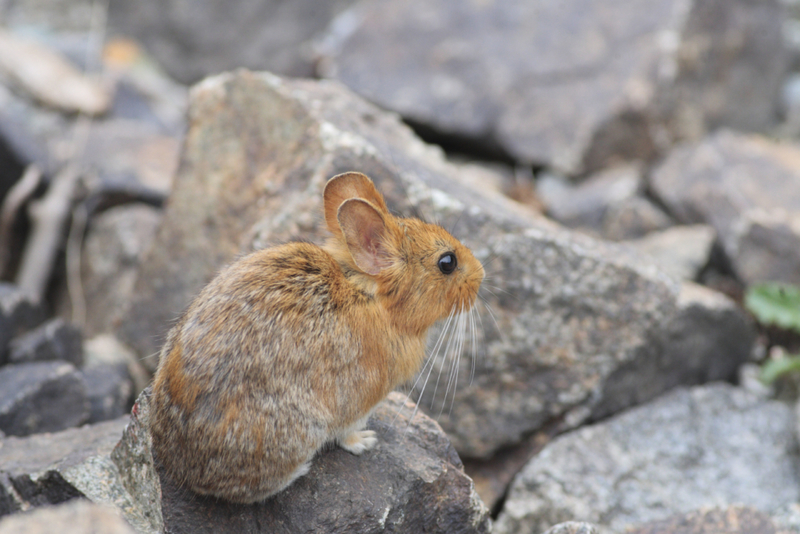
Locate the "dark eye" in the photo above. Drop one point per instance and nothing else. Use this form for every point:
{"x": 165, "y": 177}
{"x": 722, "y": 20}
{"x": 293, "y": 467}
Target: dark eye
{"x": 447, "y": 263}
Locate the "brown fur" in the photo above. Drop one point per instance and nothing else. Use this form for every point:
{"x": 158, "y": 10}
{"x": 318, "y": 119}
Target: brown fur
{"x": 291, "y": 347}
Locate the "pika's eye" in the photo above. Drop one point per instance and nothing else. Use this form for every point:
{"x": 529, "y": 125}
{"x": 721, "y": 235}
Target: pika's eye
{"x": 447, "y": 263}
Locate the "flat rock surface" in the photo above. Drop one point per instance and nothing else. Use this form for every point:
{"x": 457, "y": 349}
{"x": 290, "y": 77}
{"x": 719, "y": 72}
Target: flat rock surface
{"x": 713, "y": 445}
{"x": 413, "y": 481}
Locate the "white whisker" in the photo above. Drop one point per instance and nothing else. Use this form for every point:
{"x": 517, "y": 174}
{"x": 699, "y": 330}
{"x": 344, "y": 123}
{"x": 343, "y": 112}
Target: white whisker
{"x": 428, "y": 362}
{"x": 441, "y": 368}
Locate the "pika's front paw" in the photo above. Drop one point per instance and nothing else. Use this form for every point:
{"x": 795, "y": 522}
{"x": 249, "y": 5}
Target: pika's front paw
{"x": 359, "y": 441}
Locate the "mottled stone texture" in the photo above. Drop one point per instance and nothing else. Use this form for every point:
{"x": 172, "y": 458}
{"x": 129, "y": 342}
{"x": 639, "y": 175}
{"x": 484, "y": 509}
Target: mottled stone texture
{"x": 712, "y": 445}
{"x": 574, "y": 84}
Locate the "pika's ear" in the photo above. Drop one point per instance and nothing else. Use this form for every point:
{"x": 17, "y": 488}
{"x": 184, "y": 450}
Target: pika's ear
{"x": 343, "y": 187}
{"x": 364, "y": 231}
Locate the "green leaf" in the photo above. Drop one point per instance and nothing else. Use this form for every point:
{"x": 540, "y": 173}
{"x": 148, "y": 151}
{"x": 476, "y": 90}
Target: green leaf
{"x": 774, "y": 303}
{"x": 774, "y": 369}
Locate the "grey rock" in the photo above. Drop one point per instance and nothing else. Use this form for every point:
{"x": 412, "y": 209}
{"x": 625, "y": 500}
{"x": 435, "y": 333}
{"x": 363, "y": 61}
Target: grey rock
{"x": 680, "y": 251}
{"x": 115, "y": 244}
{"x": 586, "y": 205}
{"x": 76, "y": 517}
{"x": 105, "y": 349}
{"x": 576, "y": 325}
{"x": 82, "y": 462}
{"x": 193, "y": 40}
{"x": 137, "y": 477}
{"x": 574, "y": 85}
{"x": 708, "y": 339}
{"x": 572, "y": 527}
{"x": 766, "y": 246}
{"x": 731, "y": 520}
{"x": 41, "y": 397}
{"x": 412, "y": 482}
{"x": 714, "y": 445}
{"x": 633, "y": 218}
{"x": 18, "y": 313}
{"x": 55, "y": 340}
{"x": 53, "y": 468}
{"x": 110, "y": 391}
{"x": 746, "y": 188}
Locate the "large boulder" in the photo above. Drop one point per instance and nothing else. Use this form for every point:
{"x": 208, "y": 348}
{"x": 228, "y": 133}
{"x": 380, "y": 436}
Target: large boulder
{"x": 413, "y": 481}
{"x": 571, "y": 328}
{"x": 572, "y": 84}
{"x": 746, "y": 188}
{"x": 713, "y": 445}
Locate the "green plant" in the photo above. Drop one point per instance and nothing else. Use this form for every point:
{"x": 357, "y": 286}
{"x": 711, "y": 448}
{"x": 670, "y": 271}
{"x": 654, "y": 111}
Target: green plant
{"x": 776, "y": 304}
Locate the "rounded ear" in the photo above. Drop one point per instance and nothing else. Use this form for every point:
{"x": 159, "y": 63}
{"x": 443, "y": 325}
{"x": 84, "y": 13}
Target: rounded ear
{"x": 343, "y": 187}
{"x": 364, "y": 231}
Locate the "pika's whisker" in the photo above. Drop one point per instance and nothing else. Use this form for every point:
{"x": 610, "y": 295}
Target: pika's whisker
{"x": 461, "y": 336}
{"x": 491, "y": 314}
{"x": 428, "y": 362}
{"x": 474, "y": 343}
{"x": 453, "y": 356}
{"x": 441, "y": 368}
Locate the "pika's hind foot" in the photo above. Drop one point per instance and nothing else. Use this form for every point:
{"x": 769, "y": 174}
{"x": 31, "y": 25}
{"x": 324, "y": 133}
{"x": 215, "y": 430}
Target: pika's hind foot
{"x": 358, "y": 441}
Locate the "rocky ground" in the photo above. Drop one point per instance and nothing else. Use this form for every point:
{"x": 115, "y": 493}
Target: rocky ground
{"x": 625, "y": 170}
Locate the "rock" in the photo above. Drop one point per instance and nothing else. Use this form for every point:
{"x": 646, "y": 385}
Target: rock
{"x": 746, "y": 188}
{"x": 110, "y": 391}
{"x": 48, "y": 77}
{"x": 53, "y": 468}
{"x": 129, "y": 150}
{"x": 115, "y": 244}
{"x": 572, "y": 527}
{"x": 76, "y": 517}
{"x": 708, "y": 339}
{"x": 41, "y": 397}
{"x": 18, "y": 313}
{"x": 633, "y": 218}
{"x": 731, "y": 520}
{"x": 105, "y": 349}
{"x": 55, "y": 340}
{"x": 412, "y": 482}
{"x": 586, "y": 205}
{"x": 714, "y": 445}
{"x": 767, "y": 245}
{"x": 610, "y": 80}
{"x": 137, "y": 476}
{"x": 680, "y": 251}
{"x": 194, "y": 40}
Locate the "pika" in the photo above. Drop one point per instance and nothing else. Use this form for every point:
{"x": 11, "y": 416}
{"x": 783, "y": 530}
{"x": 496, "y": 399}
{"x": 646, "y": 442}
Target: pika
{"x": 291, "y": 347}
